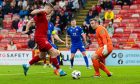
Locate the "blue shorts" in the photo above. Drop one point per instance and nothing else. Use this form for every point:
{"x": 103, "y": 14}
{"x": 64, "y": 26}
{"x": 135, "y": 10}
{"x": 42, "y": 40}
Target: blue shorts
{"x": 74, "y": 48}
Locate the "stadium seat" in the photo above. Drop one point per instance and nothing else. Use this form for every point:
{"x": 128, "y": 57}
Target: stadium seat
{"x": 137, "y": 11}
{"x": 133, "y": 7}
{"x": 127, "y": 46}
{"x": 7, "y": 24}
{"x": 24, "y": 36}
{"x": 116, "y": 11}
{"x": 15, "y": 41}
{"x": 135, "y": 15}
{"x": 133, "y": 35}
{"x": 12, "y": 31}
{"x": 125, "y": 20}
{"x": 17, "y": 36}
{"x": 123, "y": 11}
{"x": 131, "y": 11}
{"x": 126, "y": 36}
{"x": 122, "y": 40}
{"x": 117, "y": 7}
{"x": 134, "y": 20}
{"x": 126, "y": 7}
{"x": 131, "y": 41}
{"x": 122, "y": 25}
{"x": 119, "y": 30}
{"x": 19, "y": 46}
{"x": 128, "y": 31}
{"x": 8, "y": 36}
{"x": 4, "y": 31}
{"x": 114, "y": 40}
{"x": 8, "y": 17}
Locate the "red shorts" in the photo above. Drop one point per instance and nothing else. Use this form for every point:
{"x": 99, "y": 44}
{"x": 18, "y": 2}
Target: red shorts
{"x": 43, "y": 44}
{"x": 100, "y": 55}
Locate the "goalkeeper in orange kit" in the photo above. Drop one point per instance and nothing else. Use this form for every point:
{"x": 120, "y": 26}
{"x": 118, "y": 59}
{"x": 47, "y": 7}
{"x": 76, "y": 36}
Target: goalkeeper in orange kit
{"x": 105, "y": 48}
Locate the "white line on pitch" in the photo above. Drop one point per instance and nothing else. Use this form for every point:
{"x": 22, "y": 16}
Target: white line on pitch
{"x": 21, "y": 73}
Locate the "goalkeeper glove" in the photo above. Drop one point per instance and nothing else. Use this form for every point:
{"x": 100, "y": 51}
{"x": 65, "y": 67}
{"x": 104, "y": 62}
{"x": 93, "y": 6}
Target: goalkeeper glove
{"x": 105, "y": 50}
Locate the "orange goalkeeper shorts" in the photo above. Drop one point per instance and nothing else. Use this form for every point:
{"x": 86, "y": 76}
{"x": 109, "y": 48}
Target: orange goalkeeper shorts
{"x": 100, "y": 50}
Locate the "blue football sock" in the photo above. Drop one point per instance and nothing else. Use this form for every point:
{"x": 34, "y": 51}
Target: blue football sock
{"x": 86, "y": 61}
{"x": 71, "y": 61}
{"x": 58, "y": 58}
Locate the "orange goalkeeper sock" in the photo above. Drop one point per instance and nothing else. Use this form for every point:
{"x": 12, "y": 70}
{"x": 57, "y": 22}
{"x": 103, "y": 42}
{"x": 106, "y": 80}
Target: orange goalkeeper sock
{"x": 96, "y": 66}
{"x": 104, "y": 68}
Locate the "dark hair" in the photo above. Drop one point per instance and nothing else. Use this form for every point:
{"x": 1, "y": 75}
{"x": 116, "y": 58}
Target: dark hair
{"x": 93, "y": 19}
{"x": 73, "y": 19}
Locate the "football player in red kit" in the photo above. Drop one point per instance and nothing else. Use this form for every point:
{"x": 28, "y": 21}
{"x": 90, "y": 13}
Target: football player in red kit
{"x": 40, "y": 20}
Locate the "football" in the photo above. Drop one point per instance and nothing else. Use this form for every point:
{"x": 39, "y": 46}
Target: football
{"x": 76, "y": 74}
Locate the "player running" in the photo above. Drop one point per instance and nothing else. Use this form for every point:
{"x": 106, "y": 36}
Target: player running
{"x": 76, "y": 34}
{"x": 105, "y": 48}
{"x": 41, "y": 22}
{"x": 52, "y": 34}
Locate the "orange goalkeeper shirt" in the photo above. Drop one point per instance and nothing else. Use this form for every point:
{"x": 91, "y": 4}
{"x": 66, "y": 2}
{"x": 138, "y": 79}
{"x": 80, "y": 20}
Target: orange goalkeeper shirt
{"x": 102, "y": 36}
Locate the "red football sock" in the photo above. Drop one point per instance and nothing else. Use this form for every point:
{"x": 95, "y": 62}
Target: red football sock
{"x": 34, "y": 60}
{"x": 55, "y": 63}
{"x": 96, "y": 66}
{"x": 44, "y": 60}
{"x": 104, "y": 68}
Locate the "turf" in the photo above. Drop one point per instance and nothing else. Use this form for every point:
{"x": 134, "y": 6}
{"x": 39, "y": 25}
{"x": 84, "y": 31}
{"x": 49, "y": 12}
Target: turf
{"x": 40, "y": 75}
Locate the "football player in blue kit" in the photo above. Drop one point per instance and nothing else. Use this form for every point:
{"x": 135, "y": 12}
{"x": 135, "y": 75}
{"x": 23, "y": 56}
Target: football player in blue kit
{"x": 76, "y": 34}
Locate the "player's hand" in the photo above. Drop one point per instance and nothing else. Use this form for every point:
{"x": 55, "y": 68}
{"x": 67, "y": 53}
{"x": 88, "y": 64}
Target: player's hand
{"x": 62, "y": 42}
{"x": 105, "y": 50}
{"x": 24, "y": 32}
{"x": 86, "y": 45}
{"x": 67, "y": 46}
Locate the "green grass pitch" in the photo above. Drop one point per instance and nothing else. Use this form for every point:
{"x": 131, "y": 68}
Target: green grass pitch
{"x": 40, "y": 75}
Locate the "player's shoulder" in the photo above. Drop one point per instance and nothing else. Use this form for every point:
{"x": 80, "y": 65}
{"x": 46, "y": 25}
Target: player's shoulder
{"x": 100, "y": 27}
{"x": 78, "y": 27}
{"x": 69, "y": 28}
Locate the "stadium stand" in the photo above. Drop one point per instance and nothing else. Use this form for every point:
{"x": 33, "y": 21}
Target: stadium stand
{"x": 126, "y": 23}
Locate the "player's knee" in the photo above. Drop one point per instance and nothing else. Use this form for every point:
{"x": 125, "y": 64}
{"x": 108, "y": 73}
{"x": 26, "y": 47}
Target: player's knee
{"x": 42, "y": 55}
{"x": 94, "y": 56}
{"x": 54, "y": 53}
{"x": 72, "y": 56}
{"x": 84, "y": 53}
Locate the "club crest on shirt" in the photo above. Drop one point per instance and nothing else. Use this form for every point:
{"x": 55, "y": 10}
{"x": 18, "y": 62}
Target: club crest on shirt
{"x": 76, "y": 29}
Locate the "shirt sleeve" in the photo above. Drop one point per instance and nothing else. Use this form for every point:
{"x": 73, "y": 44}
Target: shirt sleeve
{"x": 53, "y": 32}
{"x": 103, "y": 36}
{"x": 81, "y": 30}
{"x": 68, "y": 32}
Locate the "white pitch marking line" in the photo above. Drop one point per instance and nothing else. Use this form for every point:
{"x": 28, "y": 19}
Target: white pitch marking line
{"x": 21, "y": 74}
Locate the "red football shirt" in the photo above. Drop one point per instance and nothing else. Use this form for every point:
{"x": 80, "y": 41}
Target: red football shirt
{"x": 41, "y": 25}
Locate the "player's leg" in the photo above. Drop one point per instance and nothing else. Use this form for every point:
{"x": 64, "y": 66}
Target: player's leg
{"x": 105, "y": 69}
{"x": 82, "y": 49}
{"x": 54, "y": 53}
{"x": 46, "y": 61}
{"x": 102, "y": 64}
{"x": 95, "y": 62}
{"x": 73, "y": 51}
{"x": 32, "y": 61}
{"x": 55, "y": 69}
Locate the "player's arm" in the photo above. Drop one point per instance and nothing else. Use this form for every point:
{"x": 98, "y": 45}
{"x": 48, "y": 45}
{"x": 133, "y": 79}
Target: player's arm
{"x": 104, "y": 39}
{"x": 52, "y": 39}
{"x": 67, "y": 34}
{"x": 103, "y": 36}
{"x": 29, "y": 24}
{"x": 83, "y": 35}
{"x": 84, "y": 38}
{"x": 58, "y": 38}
